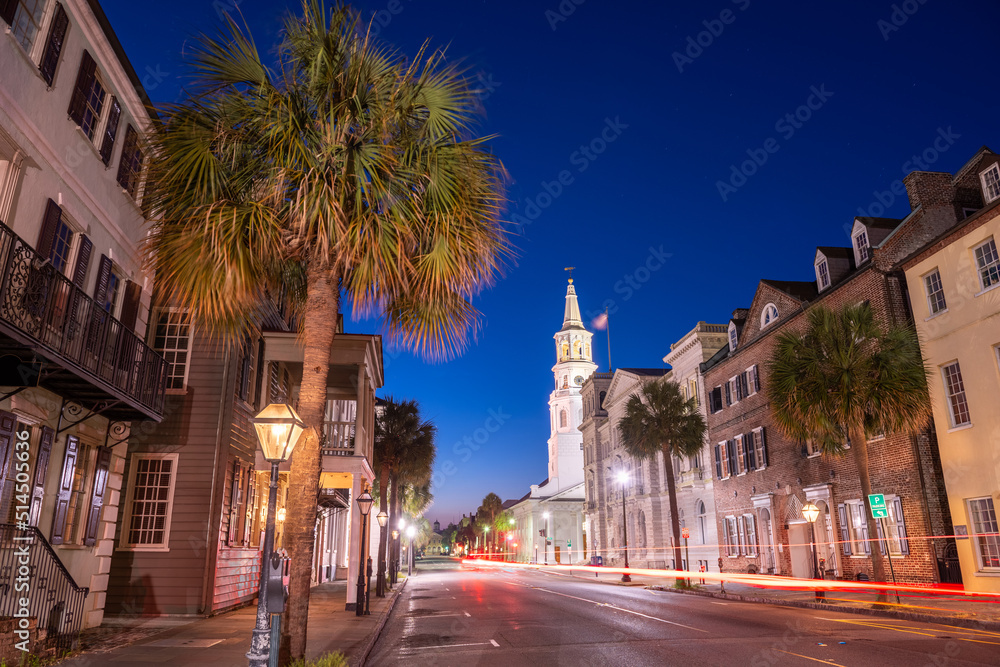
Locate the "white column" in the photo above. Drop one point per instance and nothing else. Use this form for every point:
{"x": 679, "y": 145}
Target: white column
{"x": 354, "y": 541}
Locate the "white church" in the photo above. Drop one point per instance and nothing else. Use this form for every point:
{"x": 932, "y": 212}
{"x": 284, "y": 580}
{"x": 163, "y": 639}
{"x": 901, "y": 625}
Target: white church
{"x": 549, "y": 524}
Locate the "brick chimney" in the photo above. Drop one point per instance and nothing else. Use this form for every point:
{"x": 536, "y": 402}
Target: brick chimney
{"x": 929, "y": 189}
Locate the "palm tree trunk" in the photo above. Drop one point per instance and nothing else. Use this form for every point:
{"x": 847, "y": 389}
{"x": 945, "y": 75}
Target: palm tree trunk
{"x": 675, "y": 522}
{"x": 859, "y": 444}
{"x": 383, "y": 482}
{"x": 394, "y": 525}
{"x": 319, "y": 319}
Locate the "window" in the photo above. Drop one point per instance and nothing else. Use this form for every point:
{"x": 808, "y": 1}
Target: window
{"x": 715, "y": 400}
{"x": 110, "y": 301}
{"x": 988, "y": 264}
{"x": 823, "y": 274}
{"x": 768, "y": 315}
{"x": 28, "y": 15}
{"x": 734, "y": 390}
{"x": 563, "y": 419}
{"x": 954, "y": 388}
{"x": 984, "y": 525}
{"x": 732, "y": 537}
{"x": 93, "y": 107}
{"x": 991, "y": 182}
{"x": 151, "y": 495}
{"x": 858, "y": 527}
{"x": 693, "y": 391}
{"x": 733, "y": 337}
{"x": 722, "y": 460}
{"x": 741, "y": 459}
{"x": 172, "y": 339}
{"x": 935, "y": 292}
{"x": 62, "y": 246}
{"x": 861, "y": 243}
{"x": 79, "y": 497}
{"x": 702, "y": 521}
{"x": 759, "y": 445}
{"x": 749, "y": 535}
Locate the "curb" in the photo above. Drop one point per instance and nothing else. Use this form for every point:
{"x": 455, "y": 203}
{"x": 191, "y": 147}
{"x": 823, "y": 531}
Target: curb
{"x": 383, "y": 618}
{"x": 975, "y": 624}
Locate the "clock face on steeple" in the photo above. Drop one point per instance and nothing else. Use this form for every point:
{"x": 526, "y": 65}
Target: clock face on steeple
{"x": 578, "y": 379}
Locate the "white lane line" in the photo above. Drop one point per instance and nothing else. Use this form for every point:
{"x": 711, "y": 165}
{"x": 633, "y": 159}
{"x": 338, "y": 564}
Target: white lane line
{"x": 724, "y": 604}
{"x": 467, "y": 614}
{"x": 627, "y": 611}
{"x": 494, "y": 642}
{"x": 424, "y": 648}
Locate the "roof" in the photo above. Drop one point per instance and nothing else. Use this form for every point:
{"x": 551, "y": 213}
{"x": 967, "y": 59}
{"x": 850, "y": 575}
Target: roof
{"x": 116, "y": 46}
{"x": 797, "y": 289}
{"x": 647, "y": 372}
{"x": 880, "y": 223}
{"x": 837, "y": 251}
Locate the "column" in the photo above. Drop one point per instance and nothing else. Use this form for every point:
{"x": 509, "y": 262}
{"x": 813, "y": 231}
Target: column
{"x": 353, "y": 542}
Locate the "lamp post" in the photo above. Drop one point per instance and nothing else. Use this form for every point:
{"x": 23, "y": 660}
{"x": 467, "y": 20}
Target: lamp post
{"x": 278, "y": 430}
{"x": 513, "y": 522}
{"x": 486, "y": 541}
{"x": 383, "y": 519}
{"x": 811, "y": 513}
{"x": 623, "y": 480}
{"x": 410, "y": 532}
{"x": 364, "y": 501}
{"x": 545, "y": 544}
{"x": 397, "y": 548}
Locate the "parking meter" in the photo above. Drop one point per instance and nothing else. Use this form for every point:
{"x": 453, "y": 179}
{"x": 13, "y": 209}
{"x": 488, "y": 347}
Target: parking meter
{"x": 277, "y": 593}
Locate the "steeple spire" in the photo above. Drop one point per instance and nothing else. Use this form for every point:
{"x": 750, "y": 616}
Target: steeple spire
{"x": 571, "y": 319}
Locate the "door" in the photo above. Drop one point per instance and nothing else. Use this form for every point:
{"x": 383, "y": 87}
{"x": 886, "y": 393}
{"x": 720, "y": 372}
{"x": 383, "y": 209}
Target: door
{"x": 800, "y": 550}
{"x": 766, "y": 543}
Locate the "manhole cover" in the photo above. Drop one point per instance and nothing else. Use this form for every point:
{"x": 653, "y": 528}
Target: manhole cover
{"x": 189, "y": 643}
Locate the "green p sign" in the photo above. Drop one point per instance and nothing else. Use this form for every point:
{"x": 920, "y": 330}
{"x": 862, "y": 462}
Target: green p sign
{"x": 877, "y": 503}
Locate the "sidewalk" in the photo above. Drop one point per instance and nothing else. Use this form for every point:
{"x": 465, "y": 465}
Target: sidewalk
{"x": 953, "y": 608}
{"x": 223, "y": 641}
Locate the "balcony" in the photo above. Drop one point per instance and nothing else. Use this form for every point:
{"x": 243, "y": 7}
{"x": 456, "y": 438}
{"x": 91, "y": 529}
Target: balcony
{"x": 691, "y": 478}
{"x": 338, "y": 438}
{"x": 88, "y": 356}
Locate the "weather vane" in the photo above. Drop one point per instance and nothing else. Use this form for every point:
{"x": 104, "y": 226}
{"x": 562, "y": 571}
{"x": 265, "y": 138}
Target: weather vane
{"x": 570, "y": 269}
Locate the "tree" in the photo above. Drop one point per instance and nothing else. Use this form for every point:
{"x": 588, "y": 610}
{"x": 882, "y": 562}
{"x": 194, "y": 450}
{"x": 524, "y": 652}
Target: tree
{"x": 395, "y": 426}
{"x": 659, "y": 419}
{"x": 343, "y": 168}
{"x": 486, "y": 515}
{"x": 413, "y": 468}
{"x": 845, "y": 379}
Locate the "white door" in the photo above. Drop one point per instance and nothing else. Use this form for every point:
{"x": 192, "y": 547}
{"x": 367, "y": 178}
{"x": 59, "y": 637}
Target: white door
{"x": 800, "y": 550}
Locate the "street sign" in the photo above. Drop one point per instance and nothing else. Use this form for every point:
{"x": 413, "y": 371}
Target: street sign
{"x": 569, "y": 544}
{"x": 685, "y": 533}
{"x": 877, "y": 503}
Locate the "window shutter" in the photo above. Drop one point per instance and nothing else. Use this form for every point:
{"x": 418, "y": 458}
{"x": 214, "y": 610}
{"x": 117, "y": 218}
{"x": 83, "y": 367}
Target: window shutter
{"x": 130, "y": 164}
{"x": 65, "y": 489}
{"x": 50, "y": 223}
{"x": 234, "y": 501}
{"x": 756, "y": 378}
{"x": 7, "y": 10}
{"x": 751, "y": 454}
{"x": 246, "y": 360}
{"x": 729, "y": 395}
{"x": 740, "y": 536}
{"x": 864, "y": 535}
{"x": 845, "y": 530}
{"x": 54, "y": 44}
{"x": 110, "y": 130}
{"x": 8, "y": 424}
{"x": 881, "y": 536}
{"x": 84, "y": 82}
{"x": 718, "y": 463}
{"x": 103, "y": 278}
{"x": 763, "y": 448}
{"x": 904, "y": 545}
{"x": 251, "y": 505}
{"x": 130, "y": 304}
{"x": 41, "y": 467}
{"x": 82, "y": 261}
{"x": 97, "y": 495}
{"x": 258, "y": 390}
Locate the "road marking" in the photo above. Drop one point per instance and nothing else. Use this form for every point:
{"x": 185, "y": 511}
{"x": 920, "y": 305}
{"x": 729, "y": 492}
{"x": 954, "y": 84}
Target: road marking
{"x": 826, "y": 662}
{"x": 494, "y": 642}
{"x": 467, "y": 614}
{"x": 617, "y": 608}
{"x": 913, "y": 631}
{"x": 424, "y": 648}
{"x": 724, "y": 604}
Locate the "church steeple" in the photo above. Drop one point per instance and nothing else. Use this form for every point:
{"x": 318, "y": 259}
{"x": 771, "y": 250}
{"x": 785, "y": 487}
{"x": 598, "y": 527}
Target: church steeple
{"x": 571, "y": 319}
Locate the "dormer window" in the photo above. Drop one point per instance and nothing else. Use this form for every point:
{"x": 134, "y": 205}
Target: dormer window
{"x": 732, "y": 337}
{"x": 991, "y": 182}
{"x": 769, "y": 315}
{"x": 822, "y": 274}
{"x": 861, "y": 246}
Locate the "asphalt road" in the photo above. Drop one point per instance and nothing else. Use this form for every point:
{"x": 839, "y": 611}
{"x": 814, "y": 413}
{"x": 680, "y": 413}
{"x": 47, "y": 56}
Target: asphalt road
{"x": 454, "y": 615}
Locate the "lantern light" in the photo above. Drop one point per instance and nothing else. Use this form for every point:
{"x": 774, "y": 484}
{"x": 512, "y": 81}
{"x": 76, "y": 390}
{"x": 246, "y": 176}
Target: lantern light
{"x": 279, "y": 429}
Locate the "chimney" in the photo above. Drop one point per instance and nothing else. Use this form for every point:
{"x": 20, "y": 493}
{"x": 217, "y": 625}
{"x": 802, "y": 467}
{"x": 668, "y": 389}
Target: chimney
{"x": 929, "y": 189}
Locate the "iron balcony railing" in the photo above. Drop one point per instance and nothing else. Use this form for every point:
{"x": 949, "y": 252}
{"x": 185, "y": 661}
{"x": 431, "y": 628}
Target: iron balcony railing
{"x": 31, "y": 571}
{"x": 44, "y": 305}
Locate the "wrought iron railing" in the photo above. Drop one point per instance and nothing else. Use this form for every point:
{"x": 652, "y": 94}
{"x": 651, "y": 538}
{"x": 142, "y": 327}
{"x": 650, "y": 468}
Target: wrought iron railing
{"x": 338, "y": 438}
{"x": 30, "y": 570}
{"x": 44, "y": 305}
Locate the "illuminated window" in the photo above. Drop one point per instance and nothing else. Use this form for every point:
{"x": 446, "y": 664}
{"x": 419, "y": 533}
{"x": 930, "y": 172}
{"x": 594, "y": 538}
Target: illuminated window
{"x": 768, "y": 315}
{"x": 172, "y": 339}
{"x": 984, "y": 525}
{"x": 151, "y": 495}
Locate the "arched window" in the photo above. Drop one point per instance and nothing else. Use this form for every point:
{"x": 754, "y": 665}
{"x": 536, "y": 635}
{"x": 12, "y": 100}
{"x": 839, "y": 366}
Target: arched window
{"x": 577, "y": 348}
{"x": 601, "y": 400}
{"x": 732, "y": 337}
{"x": 563, "y": 419}
{"x": 699, "y": 509}
{"x": 768, "y": 315}
{"x": 565, "y": 349}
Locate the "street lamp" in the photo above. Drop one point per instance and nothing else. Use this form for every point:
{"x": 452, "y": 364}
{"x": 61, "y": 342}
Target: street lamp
{"x": 278, "y": 430}
{"x": 548, "y": 523}
{"x": 410, "y": 532}
{"x": 811, "y": 513}
{"x": 623, "y": 480}
{"x": 486, "y": 533}
{"x": 383, "y": 519}
{"x": 364, "y": 501}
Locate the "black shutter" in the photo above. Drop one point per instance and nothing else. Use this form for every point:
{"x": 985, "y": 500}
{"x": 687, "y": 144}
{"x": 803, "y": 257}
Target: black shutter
{"x": 751, "y": 454}
{"x": 103, "y": 278}
{"x": 763, "y": 448}
{"x": 729, "y": 394}
{"x": 904, "y": 545}
{"x": 82, "y": 261}
{"x": 41, "y": 467}
{"x": 7, "y": 10}
{"x": 845, "y": 531}
{"x": 234, "y": 502}
{"x": 65, "y": 489}
{"x": 97, "y": 495}
{"x": 246, "y": 359}
{"x": 8, "y": 424}
{"x": 251, "y": 506}
{"x": 54, "y": 44}
{"x": 50, "y": 224}
{"x": 881, "y": 536}
{"x": 130, "y": 163}
{"x": 84, "y": 82}
{"x": 718, "y": 463}
{"x": 864, "y": 534}
{"x": 110, "y": 130}
{"x": 756, "y": 378}
{"x": 130, "y": 304}
{"x": 731, "y": 455}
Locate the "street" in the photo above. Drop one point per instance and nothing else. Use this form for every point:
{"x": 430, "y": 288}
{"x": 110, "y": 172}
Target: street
{"x": 451, "y": 614}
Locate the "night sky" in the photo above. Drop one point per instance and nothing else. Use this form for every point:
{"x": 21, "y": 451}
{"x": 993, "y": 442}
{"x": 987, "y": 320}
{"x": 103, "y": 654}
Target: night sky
{"x": 645, "y": 112}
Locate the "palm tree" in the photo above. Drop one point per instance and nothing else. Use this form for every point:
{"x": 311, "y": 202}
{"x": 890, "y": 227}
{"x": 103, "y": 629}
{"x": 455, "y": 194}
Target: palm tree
{"x": 395, "y": 426}
{"x": 413, "y": 468}
{"x": 659, "y": 419}
{"x": 486, "y": 516}
{"x": 341, "y": 167}
{"x": 844, "y": 380}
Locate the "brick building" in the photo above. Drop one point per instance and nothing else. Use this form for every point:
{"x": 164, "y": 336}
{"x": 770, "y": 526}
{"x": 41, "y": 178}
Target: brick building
{"x": 763, "y": 479}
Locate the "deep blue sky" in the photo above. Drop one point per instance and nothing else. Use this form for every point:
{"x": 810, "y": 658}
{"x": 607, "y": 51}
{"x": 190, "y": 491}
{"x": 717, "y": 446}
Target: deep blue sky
{"x": 548, "y": 92}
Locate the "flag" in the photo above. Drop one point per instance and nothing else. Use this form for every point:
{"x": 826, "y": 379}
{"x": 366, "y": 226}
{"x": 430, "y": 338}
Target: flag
{"x": 600, "y": 323}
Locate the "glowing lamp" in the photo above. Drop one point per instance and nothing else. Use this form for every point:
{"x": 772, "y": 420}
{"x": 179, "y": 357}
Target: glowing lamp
{"x": 278, "y": 430}
{"x": 810, "y": 512}
{"x": 281, "y": 514}
{"x": 383, "y": 518}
